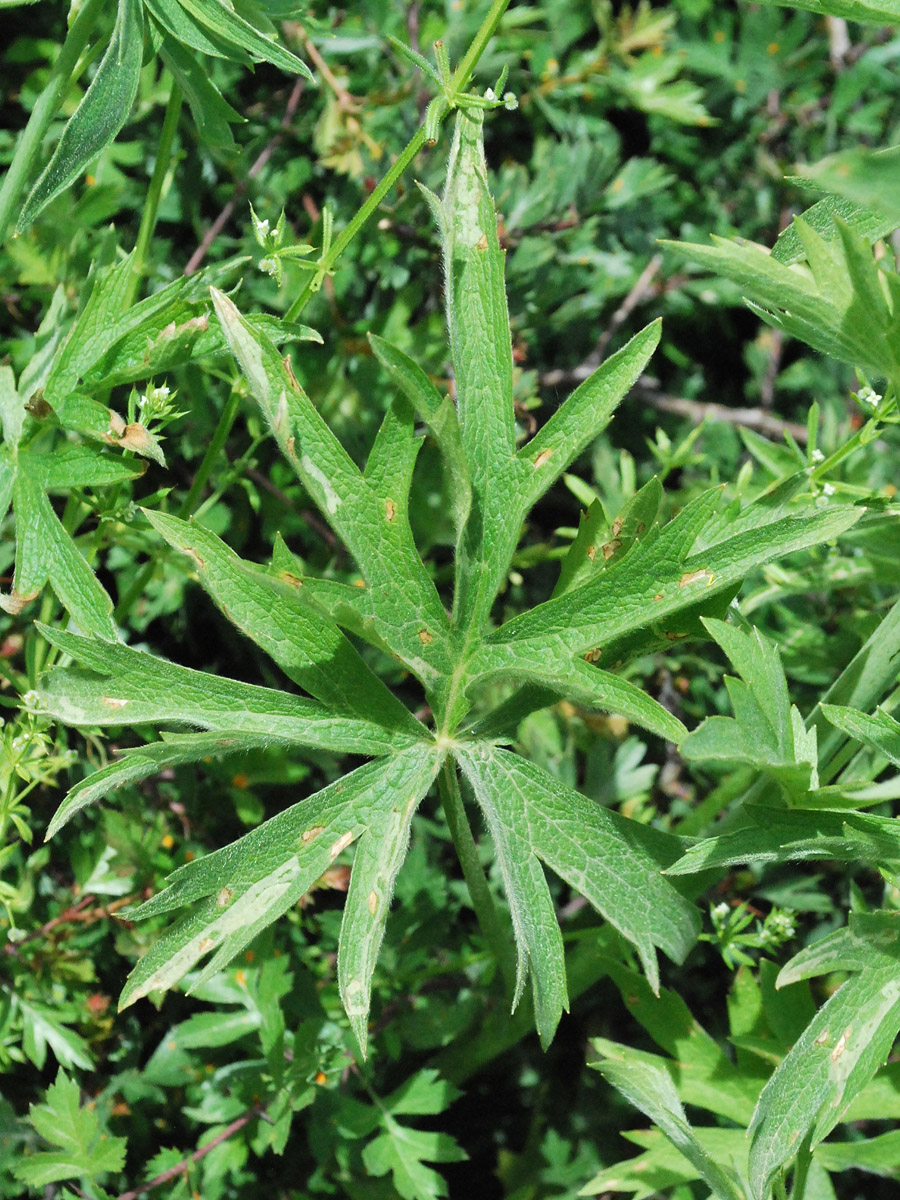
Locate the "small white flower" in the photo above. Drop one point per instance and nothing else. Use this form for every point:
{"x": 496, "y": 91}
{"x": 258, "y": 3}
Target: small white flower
{"x": 510, "y": 102}
{"x": 721, "y": 911}
{"x": 32, "y": 701}
{"x": 818, "y": 456}
{"x": 828, "y": 489}
{"x": 490, "y": 94}
{"x": 867, "y": 395}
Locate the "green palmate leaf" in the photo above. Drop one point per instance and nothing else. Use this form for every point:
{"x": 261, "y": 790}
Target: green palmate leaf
{"x": 652, "y": 1091}
{"x": 766, "y": 731}
{"x": 839, "y": 1051}
{"x": 246, "y": 886}
{"x": 42, "y": 1029}
{"x": 368, "y": 512}
{"x": 80, "y": 1149}
{"x": 301, "y": 638}
{"x": 841, "y": 304}
{"x": 611, "y": 861}
{"x": 101, "y": 114}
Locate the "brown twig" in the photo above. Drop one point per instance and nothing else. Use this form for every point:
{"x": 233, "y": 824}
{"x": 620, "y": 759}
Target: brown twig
{"x": 184, "y": 1166}
{"x": 756, "y": 419}
{"x": 75, "y": 912}
{"x": 240, "y": 188}
{"x": 309, "y": 517}
{"x": 637, "y": 293}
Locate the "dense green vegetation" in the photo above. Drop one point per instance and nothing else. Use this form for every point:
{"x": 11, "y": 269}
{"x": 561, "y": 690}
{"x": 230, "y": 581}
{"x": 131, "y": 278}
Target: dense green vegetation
{"x": 449, "y": 633}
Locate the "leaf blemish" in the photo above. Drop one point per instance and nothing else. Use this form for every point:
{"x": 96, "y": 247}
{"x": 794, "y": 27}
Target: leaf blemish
{"x": 390, "y": 510}
{"x": 205, "y": 944}
{"x": 591, "y": 552}
{"x": 542, "y": 458}
{"x": 482, "y": 243}
{"x": 616, "y": 528}
{"x": 373, "y": 902}
{"x": 310, "y": 835}
{"x": 694, "y": 576}
{"x": 224, "y": 897}
{"x": 608, "y": 549}
{"x": 341, "y": 844}
{"x": 112, "y": 702}
{"x": 425, "y": 637}
{"x": 594, "y": 655}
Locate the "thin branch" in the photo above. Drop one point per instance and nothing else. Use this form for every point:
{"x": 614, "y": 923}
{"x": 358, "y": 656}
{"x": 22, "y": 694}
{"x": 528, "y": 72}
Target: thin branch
{"x": 642, "y": 286}
{"x": 756, "y": 419}
{"x": 240, "y": 188}
{"x": 185, "y": 1165}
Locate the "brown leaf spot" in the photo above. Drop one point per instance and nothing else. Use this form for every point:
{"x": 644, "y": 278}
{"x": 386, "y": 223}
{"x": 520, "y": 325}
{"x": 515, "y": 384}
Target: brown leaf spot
{"x": 676, "y": 637}
{"x": 341, "y": 844}
{"x": 224, "y": 897}
{"x": 608, "y": 549}
{"x": 360, "y": 583}
{"x": 658, "y": 597}
{"x": 390, "y": 510}
{"x": 594, "y": 655}
{"x": 38, "y": 406}
{"x": 425, "y": 637}
{"x": 592, "y": 552}
{"x": 293, "y": 580}
{"x": 289, "y": 370}
{"x": 207, "y": 943}
{"x": 616, "y": 528}
{"x": 289, "y": 447}
{"x": 840, "y": 1046}
{"x": 372, "y": 903}
{"x": 310, "y": 835}
{"x": 116, "y": 423}
{"x": 482, "y": 243}
{"x": 542, "y": 458}
{"x": 113, "y": 702}
{"x": 694, "y": 577}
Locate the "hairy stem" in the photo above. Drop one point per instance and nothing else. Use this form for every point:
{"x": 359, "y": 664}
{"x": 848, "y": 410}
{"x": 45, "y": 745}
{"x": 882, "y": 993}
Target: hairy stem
{"x": 460, "y": 79}
{"x": 473, "y": 872}
{"x": 45, "y": 109}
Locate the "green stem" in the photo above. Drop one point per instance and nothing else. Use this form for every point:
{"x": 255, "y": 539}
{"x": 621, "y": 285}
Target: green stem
{"x": 461, "y": 77}
{"x": 45, "y": 109}
{"x": 154, "y": 192}
{"x": 801, "y": 1168}
{"x": 213, "y": 450}
{"x": 473, "y": 873}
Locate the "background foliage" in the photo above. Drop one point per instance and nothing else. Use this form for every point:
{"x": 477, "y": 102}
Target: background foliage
{"x": 632, "y": 125}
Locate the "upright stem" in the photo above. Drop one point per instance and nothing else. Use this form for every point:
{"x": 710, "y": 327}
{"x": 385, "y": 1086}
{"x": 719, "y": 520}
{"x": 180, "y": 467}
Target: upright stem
{"x": 801, "y": 1169}
{"x": 473, "y": 873}
{"x": 154, "y": 192}
{"x": 44, "y": 111}
{"x": 460, "y": 79}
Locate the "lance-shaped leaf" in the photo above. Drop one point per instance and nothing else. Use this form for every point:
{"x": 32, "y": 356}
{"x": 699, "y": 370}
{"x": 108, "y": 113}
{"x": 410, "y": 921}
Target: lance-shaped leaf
{"x": 839, "y": 1051}
{"x": 372, "y": 521}
{"x": 821, "y": 217}
{"x": 438, "y": 413}
{"x": 103, "y": 111}
{"x": 143, "y": 761}
{"x": 613, "y": 862}
{"x": 379, "y": 854}
{"x": 766, "y": 731}
{"x": 123, "y": 686}
{"x": 246, "y": 886}
{"x": 651, "y": 1089}
{"x": 876, "y": 12}
{"x": 650, "y": 586}
{"x": 582, "y": 417}
{"x": 229, "y": 27}
{"x": 539, "y": 944}
{"x": 868, "y": 178}
{"x": 45, "y": 553}
{"x": 587, "y": 685}
{"x": 305, "y": 643}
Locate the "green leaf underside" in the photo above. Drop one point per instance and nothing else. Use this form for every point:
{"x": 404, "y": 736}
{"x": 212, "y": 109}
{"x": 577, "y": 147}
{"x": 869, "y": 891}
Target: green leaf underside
{"x": 244, "y": 887}
{"x": 611, "y": 861}
{"x": 880, "y": 731}
{"x": 103, "y": 111}
{"x": 839, "y": 1051}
